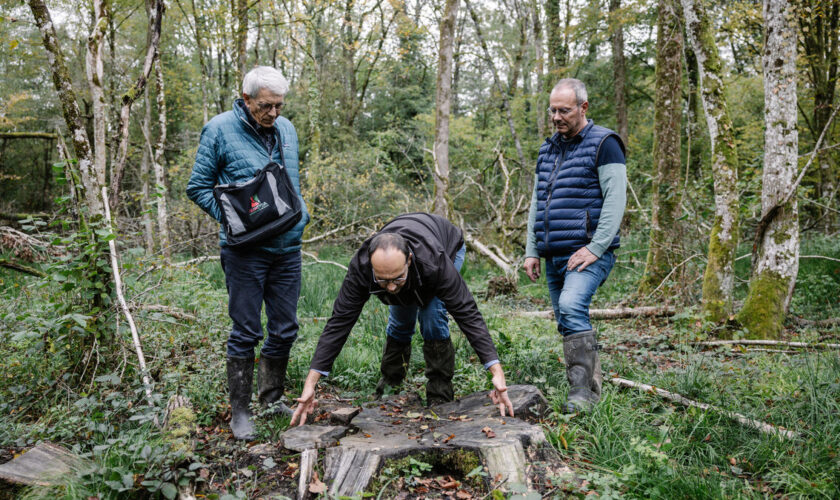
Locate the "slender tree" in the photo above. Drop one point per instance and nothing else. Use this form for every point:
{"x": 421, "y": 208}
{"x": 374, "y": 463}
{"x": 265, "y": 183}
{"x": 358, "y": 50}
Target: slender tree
{"x": 443, "y": 102}
{"x": 540, "y": 96}
{"x": 719, "y": 277}
{"x": 145, "y": 191}
{"x": 160, "y": 168}
{"x": 776, "y": 258}
{"x": 665, "y": 252}
{"x": 619, "y": 68}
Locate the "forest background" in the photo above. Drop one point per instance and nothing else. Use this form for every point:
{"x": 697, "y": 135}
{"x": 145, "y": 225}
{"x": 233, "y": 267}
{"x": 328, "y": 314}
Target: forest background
{"x": 726, "y": 107}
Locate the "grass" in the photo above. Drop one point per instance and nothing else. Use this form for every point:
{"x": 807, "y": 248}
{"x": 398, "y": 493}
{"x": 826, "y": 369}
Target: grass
{"x": 632, "y": 445}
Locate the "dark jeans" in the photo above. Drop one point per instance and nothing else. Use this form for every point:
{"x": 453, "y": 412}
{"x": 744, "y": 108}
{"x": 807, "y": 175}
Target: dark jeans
{"x": 254, "y": 277}
{"x": 571, "y": 291}
{"x": 434, "y": 322}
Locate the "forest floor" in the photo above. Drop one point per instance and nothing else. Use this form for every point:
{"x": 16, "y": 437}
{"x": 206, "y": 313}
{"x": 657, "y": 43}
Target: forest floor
{"x": 632, "y": 445}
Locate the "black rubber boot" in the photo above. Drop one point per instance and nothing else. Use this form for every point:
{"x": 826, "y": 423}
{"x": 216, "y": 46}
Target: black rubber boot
{"x": 271, "y": 381}
{"x": 583, "y": 370}
{"x": 440, "y": 368}
{"x": 240, "y": 375}
{"x": 394, "y": 365}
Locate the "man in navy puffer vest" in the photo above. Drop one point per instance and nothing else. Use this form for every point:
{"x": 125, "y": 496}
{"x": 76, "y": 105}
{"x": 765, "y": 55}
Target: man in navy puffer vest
{"x": 576, "y": 209}
{"x": 234, "y": 145}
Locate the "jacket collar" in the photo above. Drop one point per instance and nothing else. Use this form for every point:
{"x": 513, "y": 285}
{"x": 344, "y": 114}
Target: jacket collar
{"x": 556, "y": 140}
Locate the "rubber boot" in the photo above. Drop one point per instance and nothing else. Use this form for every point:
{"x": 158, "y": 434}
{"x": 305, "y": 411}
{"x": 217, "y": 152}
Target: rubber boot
{"x": 440, "y": 368}
{"x": 271, "y": 381}
{"x": 240, "y": 375}
{"x": 394, "y": 365}
{"x": 583, "y": 370}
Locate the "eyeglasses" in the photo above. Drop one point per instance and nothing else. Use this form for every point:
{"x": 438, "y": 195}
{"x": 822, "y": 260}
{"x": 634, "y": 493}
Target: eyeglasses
{"x": 265, "y": 107}
{"x": 562, "y": 111}
{"x": 397, "y": 281}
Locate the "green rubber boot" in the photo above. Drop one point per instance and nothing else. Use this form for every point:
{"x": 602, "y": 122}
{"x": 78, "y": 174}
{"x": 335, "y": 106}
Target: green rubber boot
{"x": 240, "y": 376}
{"x": 394, "y": 366}
{"x": 440, "y": 368}
{"x": 583, "y": 370}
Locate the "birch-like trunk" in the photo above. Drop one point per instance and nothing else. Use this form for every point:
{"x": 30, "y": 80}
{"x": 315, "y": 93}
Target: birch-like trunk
{"x": 94, "y": 70}
{"x": 70, "y": 108}
{"x": 665, "y": 252}
{"x": 777, "y": 259}
{"x": 443, "y": 102}
{"x": 145, "y": 201}
{"x": 160, "y": 169}
{"x": 719, "y": 277}
{"x": 240, "y": 40}
{"x": 619, "y": 69}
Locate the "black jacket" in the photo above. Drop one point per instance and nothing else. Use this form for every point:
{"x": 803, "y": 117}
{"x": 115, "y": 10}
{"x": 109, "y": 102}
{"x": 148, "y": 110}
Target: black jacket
{"x": 433, "y": 241}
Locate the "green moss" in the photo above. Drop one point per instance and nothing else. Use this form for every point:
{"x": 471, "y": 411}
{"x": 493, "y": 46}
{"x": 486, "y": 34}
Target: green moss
{"x": 180, "y": 426}
{"x": 458, "y": 463}
{"x": 717, "y": 302}
{"x": 763, "y": 313}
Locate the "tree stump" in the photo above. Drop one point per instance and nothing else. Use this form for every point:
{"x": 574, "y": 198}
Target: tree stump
{"x": 454, "y": 437}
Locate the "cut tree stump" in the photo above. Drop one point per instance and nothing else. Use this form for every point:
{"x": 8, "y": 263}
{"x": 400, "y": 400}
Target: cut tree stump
{"x": 43, "y": 465}
{"x": 452, "y": 436}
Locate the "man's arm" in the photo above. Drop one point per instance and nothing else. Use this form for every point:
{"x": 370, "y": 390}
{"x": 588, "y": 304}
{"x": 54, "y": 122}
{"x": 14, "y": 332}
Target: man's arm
{"x": 612, "y": 176}
{"x": 205, "y": 174}
{"x": 532, "y": 259}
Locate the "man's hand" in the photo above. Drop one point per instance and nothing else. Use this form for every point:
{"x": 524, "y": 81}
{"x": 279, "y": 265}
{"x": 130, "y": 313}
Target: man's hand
{"x": 306, "y": 401}
{"x": 532, "y": 268}
{"x": 499, "y": 394}
{"x": 582, "y": 258}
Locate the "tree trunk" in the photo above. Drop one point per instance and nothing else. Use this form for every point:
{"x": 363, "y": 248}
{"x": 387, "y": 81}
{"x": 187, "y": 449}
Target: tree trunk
{"x": 95, "y": 77}
{"x": 540, "y": 97}
{"x": 240, "y": 40}
{"x": 719, "y": 277}
{"x": 776, "y": 261}
{"x": 153, "y": 41}
{"x": 443, "y": 101}
{"x": 90, "y": 184}
{"x": 160, "y": 168}
{"x": 145, "y": 200}
{"x": 665, "y": 251}
{"x": 819, "y": 21}
{"x": 557, "y": 50}
{"x": 619, "y": 69}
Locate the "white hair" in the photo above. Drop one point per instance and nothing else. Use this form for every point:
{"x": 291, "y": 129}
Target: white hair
{"x": 265, "y": 77}
{"x": 576, "y": 85}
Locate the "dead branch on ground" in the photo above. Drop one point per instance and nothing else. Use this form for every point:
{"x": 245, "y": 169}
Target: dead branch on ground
{"x": 617, "y": 313}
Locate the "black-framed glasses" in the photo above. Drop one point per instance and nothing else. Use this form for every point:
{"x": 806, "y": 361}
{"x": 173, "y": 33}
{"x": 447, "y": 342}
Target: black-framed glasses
{"x": 397, "y": 281}
{"x": 265, "y": 107}
{"x": 562, "y": 111}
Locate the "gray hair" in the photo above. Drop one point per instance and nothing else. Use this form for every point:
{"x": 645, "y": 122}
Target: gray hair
{"x": 578, "y": 86}
{"x": 265, "y": 77}
{"x": 387, "y": 241}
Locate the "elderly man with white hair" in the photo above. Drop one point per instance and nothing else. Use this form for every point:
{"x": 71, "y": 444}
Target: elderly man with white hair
{"x": 234, "y": 145}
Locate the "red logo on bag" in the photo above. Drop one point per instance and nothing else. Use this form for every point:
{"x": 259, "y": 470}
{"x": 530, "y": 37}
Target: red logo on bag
{"x": 256, "y": 204}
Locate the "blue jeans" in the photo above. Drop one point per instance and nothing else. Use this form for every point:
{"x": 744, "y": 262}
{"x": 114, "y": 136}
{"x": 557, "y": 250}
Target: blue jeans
{"x": 571, "y": 291}
{"x": 434, "y": 323}
{"x": 253, "y": 277}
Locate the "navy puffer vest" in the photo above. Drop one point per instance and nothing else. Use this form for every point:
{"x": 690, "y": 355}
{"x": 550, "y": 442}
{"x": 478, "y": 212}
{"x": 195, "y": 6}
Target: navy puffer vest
{"x": 569, "y": 197}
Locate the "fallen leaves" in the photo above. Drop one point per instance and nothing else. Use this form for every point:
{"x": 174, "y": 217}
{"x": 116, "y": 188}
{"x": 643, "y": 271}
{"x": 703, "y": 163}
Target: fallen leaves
{"x": 316, "y": 486}
{"x": 488, "y": 432}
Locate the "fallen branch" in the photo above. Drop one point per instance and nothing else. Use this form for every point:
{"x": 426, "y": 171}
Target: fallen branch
{"x": 319, "y": 261}
{"x": 196, "y": 261}
{"x": 801, "y": 345}
{"x": 676, "y": 398}
{"x": 340, "y": 228}
{"x": 617, "y": 313}
{"x": 816, "y": 322}
{"x": 170, "y": 311}
{"x": 135, "y": 337}
{"x": 483, "y": 250}
{"x": 8, "y": 264}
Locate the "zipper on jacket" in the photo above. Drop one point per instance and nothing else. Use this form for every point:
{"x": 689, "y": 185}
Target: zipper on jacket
{"x": 246, "y": 122}
{"x": 558, "y": 163}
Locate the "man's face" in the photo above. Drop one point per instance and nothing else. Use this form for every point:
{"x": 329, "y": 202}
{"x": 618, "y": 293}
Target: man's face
{"x": 265, "y": 106}
{"x": 567, "y": 116}
{"x": 390, "y": 269}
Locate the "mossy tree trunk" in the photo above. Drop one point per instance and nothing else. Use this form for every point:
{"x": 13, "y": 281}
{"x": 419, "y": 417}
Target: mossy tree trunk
{"x": 160, "y": 167}
{"x": 619, "y": 68}
{"x": 540, "y": 97}
{"x": 443, "y": 102}
{"x": 145, "y": 176}
{"x": 719, "y": 277}
{"x": 95, "y": 77}
{"x": 777, "y": 260}
{"x": 665, "y": 245}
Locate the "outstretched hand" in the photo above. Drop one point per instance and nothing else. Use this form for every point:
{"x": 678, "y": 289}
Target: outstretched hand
{"x": 306, "y": 401}
{"x": 499, "y": 395}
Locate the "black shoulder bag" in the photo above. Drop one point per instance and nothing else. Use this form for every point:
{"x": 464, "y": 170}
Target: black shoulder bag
{"x": 259, "y": 209}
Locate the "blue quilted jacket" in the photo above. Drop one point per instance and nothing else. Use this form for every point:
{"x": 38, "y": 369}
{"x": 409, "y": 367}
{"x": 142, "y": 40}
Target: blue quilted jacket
{"x": 569, "y": 197}
{"x": 231, "y": 150}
